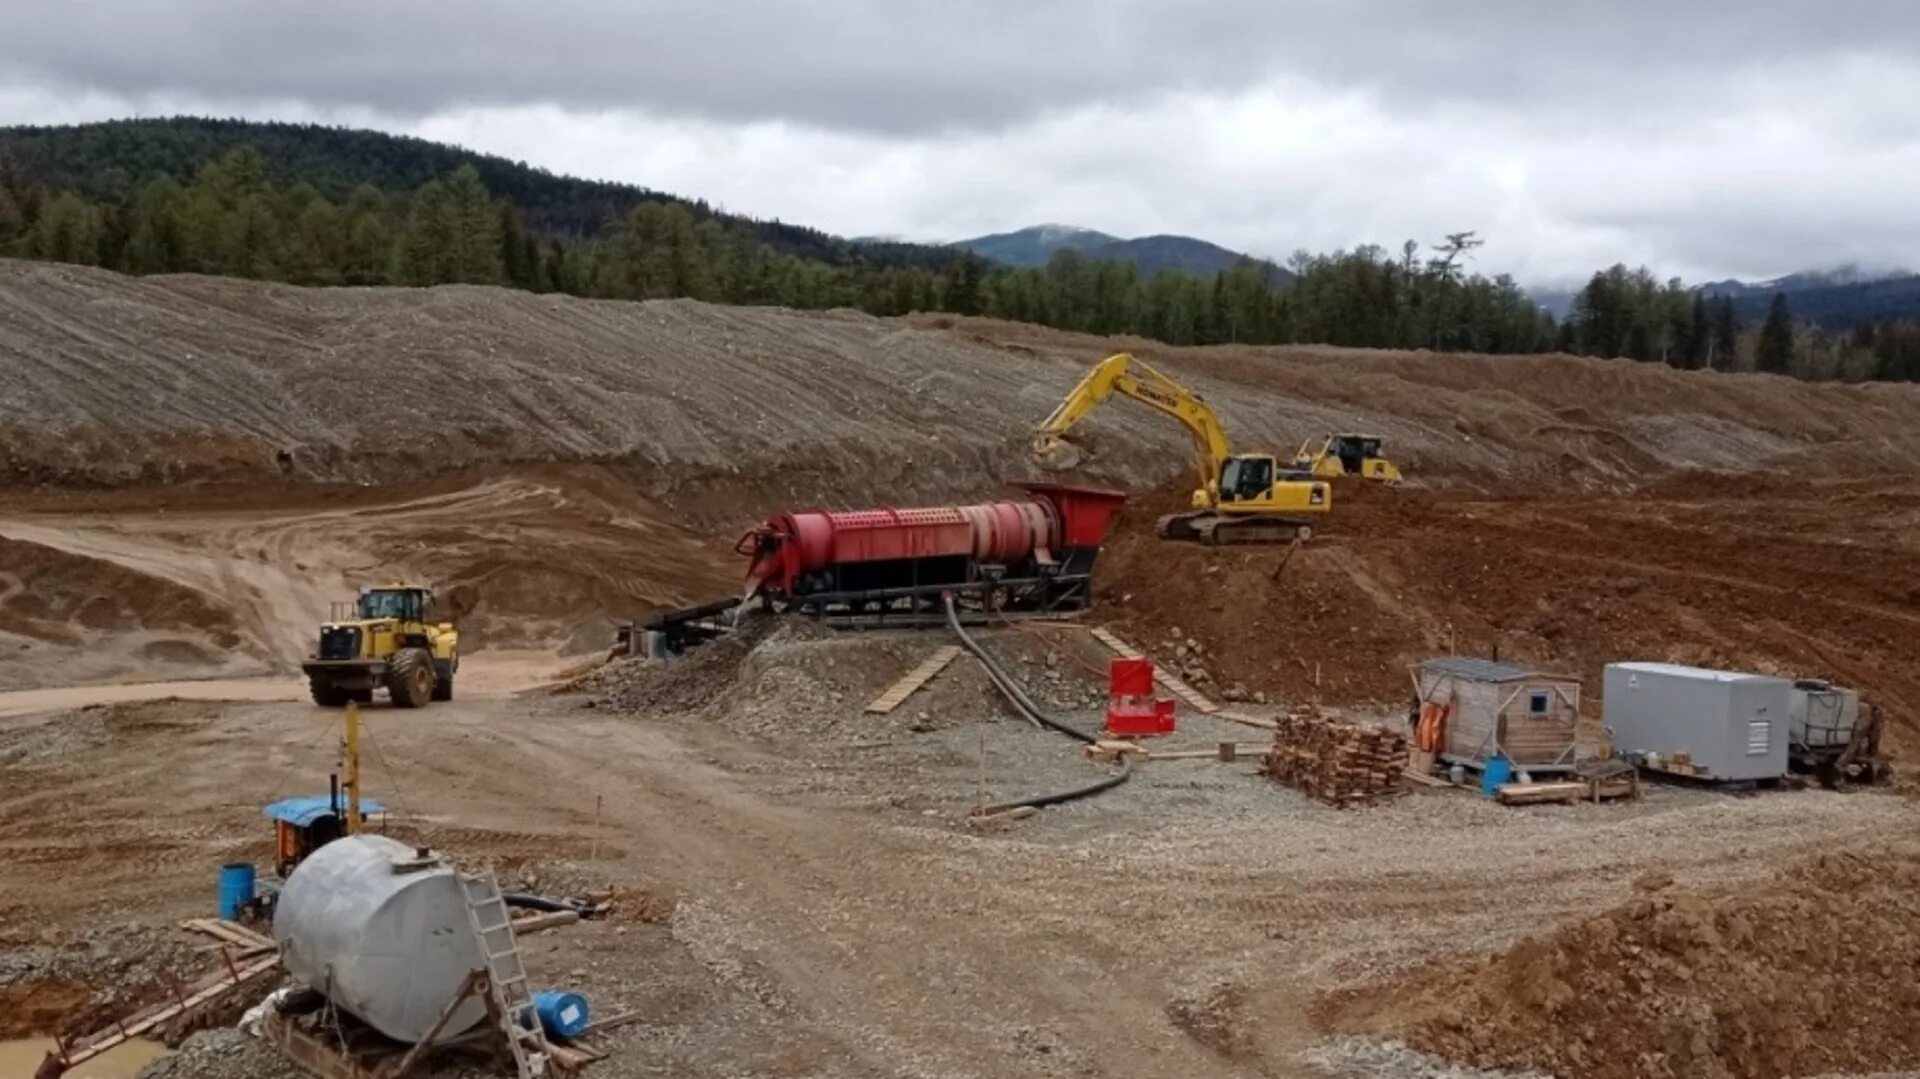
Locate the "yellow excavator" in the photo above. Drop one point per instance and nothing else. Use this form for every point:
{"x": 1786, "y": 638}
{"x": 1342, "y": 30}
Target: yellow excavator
{"x": 1242, "y": 497}
{"x": 1346, "y": 455}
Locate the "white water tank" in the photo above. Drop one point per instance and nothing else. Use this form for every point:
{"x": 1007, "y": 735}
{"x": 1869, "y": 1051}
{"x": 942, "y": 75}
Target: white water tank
{"x": 1824, "y": 715}
{"x": 383, "y": 933}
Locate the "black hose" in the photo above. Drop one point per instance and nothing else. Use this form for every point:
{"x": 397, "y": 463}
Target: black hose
{"x": 1018, "y": 697}
{"x": 525, "y": 901}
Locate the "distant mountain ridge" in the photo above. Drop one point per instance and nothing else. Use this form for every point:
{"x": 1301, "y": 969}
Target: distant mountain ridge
{"x": 104, "y": 160}
{"x": 1845, "y": 276}
{"x": 1836, "y": 299}
{"x": 1036, "y": 245}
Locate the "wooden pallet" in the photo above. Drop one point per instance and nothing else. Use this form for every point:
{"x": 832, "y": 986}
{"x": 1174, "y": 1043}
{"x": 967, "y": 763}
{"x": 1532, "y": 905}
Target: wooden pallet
{"x": 897, "y": 694}
{"x": 1569, "y": 791}
{"x": 1172, "y": 685}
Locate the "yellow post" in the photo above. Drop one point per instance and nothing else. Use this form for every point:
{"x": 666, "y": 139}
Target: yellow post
{"x": 353, "y": 768}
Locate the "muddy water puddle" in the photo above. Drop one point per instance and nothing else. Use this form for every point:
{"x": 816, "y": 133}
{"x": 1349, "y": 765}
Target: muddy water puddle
{"x": 19, "y": 1057}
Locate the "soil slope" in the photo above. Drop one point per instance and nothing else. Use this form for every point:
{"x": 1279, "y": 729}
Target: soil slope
{"x": 112, "y": 379}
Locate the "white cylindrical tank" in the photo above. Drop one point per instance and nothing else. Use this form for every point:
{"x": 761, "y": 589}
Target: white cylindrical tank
{"x": 384, "y": 934}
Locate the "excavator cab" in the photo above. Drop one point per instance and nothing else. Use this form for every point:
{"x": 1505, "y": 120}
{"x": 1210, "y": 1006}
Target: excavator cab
{"x": 1247, "y": 478}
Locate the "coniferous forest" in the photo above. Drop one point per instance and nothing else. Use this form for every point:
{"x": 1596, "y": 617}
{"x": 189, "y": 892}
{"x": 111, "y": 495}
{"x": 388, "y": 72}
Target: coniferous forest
{"x": 329, "y": 207}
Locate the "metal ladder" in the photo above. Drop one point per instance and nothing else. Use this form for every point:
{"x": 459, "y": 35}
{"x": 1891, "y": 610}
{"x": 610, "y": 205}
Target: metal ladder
{"x": 506, "y": 974}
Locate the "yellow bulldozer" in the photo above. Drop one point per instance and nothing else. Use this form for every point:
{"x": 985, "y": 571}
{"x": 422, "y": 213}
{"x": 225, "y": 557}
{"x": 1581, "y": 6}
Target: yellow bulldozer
{"x": 1345, "y": 455}
{"x": 1241, "y": 497}
{"x": 387, "y": 639}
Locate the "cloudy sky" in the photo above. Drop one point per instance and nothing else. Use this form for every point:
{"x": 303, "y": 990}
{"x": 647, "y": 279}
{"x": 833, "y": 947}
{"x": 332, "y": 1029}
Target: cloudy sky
{"x": 1705, "y": 139}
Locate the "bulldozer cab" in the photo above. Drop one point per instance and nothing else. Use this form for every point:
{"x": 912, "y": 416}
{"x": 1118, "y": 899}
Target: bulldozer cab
{"x": 1353, "y": 451}
{"x": 399, "y": 603}
{"x": 1245, "y": 479}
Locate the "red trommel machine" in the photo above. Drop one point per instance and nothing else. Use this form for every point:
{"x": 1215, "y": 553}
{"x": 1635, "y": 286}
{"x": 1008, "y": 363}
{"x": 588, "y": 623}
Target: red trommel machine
{"x": 1132, "y": 710}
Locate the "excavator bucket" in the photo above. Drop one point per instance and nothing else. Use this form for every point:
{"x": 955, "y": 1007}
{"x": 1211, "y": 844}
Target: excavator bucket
{"x": 1056, "y": 454}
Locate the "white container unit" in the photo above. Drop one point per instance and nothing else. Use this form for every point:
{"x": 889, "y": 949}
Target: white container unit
{"x": 1732, "y": 725}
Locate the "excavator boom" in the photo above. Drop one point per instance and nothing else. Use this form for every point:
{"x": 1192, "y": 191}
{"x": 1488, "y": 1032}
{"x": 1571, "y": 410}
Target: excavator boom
{"x": 1121, "y": 373}
{"x": 1241, "y": 498}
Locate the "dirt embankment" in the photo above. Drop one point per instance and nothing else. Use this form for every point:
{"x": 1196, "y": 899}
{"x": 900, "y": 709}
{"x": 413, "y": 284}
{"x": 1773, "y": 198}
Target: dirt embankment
{"x": 1809, "y": 974}
{"x": 728, "y": 411}
{"x": 234, "y": 579}
{"x": 1783, "y": 575}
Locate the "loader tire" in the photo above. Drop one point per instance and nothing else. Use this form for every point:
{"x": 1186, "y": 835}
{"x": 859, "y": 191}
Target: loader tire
{"x": 326, "y": 694}
{"x": 443, "y": 688}
{"x": 410, "y": 678}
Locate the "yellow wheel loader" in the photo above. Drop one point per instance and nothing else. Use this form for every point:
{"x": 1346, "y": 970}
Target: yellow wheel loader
{"x": 1345, "y": 455}
{"x": 387, "y": 639}
{"x": 1241, "y": 497}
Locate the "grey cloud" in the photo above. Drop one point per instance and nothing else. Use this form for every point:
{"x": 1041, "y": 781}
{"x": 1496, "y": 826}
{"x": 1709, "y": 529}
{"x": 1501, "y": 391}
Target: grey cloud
{"x": 918, "y": 66}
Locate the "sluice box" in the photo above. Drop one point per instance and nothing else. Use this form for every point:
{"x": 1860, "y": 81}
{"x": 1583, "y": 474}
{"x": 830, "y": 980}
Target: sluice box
{"x": 1728, "y": 724}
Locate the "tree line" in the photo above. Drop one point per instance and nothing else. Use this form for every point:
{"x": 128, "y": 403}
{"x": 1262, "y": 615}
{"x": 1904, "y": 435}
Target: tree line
{"x": 1627, "y": 313}
{"x": 230, "y": 218}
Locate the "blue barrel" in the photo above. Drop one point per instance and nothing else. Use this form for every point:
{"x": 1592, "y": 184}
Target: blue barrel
{"x": 563, "y": 1014}
{"x": 1495, "y": 775}
{"x": 236, "y": 888}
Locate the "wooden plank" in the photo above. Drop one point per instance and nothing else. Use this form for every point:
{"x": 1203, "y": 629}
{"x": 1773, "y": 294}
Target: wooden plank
{"x": 1213, "y": 754}
{"x": 1427, "y": 780}
{"x": 1244, "y": 719}
{"x": 1171, "y": 684}
{"x": 1108, "y": 749}
{"x": 210, "y": 988}
{"x": 231, "y": 932}
{"x": 535, "y": 923}
{"x": 1514, "y": 794}
{"x": 897, "y": 693}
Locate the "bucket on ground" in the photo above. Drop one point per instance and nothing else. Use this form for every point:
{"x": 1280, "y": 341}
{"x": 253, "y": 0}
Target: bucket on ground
{"x": 1495, "y": 775}
{"x": 236, "y": 889}
{"x": 562, "y": 1014}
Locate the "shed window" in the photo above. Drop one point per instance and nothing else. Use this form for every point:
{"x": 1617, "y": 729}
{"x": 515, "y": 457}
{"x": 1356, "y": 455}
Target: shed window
{"x": 1539, "y": 701}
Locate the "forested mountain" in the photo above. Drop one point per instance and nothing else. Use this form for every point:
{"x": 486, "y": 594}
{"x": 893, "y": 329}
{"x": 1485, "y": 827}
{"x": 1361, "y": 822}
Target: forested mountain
{"x": 322, "y": 207}
{"x": 1152, "y": 254}
{"x": 1837, "y": 307}
{"x": 105, "y": 161}
{"x": 1800, "y": 281}
{"x": 1033, "y": 246}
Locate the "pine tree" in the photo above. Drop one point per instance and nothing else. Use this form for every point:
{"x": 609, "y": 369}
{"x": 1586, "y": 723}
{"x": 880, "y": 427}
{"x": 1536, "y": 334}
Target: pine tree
{"x": 158, "y": 243}
{"x": 13, "y": 223}
{"x": 1725, "y": 336}
{"x": 1775, "y": 355}
{"x": 67, "y": 231}
{"x": 425, "y": 252}
{"x": 476, "y": 256}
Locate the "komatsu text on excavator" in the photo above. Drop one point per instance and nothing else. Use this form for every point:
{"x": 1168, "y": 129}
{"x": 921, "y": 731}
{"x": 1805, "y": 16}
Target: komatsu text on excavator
{"x": 1242, "y": 497}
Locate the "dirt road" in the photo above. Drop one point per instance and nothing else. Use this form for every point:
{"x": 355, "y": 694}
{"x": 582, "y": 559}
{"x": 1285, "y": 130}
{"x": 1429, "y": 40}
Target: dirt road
{"x": 234, "y": 580}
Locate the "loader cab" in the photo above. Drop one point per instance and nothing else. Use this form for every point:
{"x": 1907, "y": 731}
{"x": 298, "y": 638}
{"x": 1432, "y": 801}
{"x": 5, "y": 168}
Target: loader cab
{"x": 398, "y": 603}
{"x": 1245, "y": 479}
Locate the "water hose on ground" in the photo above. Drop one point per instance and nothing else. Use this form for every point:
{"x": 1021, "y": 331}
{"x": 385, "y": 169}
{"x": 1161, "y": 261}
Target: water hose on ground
{"x": 1026, "y": 706}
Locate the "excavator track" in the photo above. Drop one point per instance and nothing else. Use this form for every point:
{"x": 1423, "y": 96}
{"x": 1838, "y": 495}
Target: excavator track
{"x": 1225, "y": 530}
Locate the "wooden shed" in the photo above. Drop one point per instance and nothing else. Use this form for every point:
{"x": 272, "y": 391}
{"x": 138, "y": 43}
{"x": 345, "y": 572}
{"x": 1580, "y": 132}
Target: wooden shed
{"x": 1473, "y": 709}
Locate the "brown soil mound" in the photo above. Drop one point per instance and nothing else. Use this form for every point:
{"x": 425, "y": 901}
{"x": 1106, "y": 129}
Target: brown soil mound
{"x": 1776, "y": 575}
{"x": 1810, "y": 974}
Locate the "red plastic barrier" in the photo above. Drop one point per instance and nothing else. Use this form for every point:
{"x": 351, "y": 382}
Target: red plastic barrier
{"x": 1132, "y": 710}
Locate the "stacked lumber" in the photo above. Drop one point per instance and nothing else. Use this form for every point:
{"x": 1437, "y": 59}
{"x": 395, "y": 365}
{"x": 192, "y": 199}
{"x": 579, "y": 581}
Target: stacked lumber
{"x": 1337, "y": 761}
